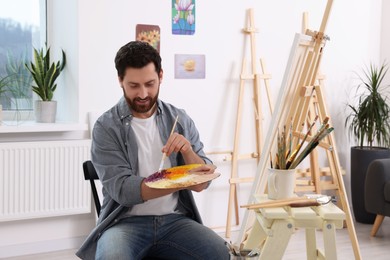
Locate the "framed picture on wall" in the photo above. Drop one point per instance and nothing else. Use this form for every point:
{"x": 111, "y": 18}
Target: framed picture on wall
{"x": 183, "y": 17}
{"x": 148, "y": 33}
{"x": 190, "y": 66}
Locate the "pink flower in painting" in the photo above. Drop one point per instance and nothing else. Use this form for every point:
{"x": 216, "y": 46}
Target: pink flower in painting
{"x": 184, "y": 5}
{"x": 176, "y": 18}
{"x": 190, "y": 18}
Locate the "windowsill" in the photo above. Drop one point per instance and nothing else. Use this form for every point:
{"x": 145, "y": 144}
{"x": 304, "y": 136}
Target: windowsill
{"x": 33, "y": 127}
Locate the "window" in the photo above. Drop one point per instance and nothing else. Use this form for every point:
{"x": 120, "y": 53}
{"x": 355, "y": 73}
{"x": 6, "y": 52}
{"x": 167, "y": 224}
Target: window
{"x": 22, "y": 27}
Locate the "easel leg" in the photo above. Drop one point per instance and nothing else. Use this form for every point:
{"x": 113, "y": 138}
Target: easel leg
{"x": 232, "y": 193}
{"x": 338, "y": 178}
{"x": 233, "y": 188}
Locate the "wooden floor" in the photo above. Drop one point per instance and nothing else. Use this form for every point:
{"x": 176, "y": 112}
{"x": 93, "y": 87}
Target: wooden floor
{"x": 371, "y": 248}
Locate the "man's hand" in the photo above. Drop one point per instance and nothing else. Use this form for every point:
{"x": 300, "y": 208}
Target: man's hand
{"x": 199, "y": 187}
{"x": 177, "y": 143}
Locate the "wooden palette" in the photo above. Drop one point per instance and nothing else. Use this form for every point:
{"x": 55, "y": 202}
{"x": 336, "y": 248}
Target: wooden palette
{"x": 179, "y": 177}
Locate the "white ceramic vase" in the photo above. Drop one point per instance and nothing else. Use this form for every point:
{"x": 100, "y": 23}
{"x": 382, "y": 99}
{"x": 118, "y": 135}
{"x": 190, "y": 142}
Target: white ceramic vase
{"x": 281, "y": 183}
{"x": 45, "y": 111}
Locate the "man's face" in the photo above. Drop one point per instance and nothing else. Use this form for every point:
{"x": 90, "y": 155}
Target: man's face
{"x": 141, "y": 88}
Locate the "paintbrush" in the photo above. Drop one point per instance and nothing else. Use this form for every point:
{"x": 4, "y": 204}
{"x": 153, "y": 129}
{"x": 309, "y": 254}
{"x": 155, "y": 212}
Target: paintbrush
{"x": 290, "y": 141}
{"x": 164, "y": 156}
{"x": 294, "y": 154}
{"x": 324, "y": 131}
{"x": 294, "y": 204}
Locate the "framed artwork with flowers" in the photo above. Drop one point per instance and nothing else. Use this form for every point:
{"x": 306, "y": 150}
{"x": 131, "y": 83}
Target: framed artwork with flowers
{"x": 148, "y": 33}
{"x": 183, "y": 17}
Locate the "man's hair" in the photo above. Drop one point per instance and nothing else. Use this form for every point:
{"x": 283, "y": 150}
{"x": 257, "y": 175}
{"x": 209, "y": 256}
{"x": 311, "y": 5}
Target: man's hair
{"x": 136, "y": 54}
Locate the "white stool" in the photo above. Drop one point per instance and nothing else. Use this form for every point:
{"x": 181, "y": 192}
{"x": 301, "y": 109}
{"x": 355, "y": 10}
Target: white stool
{"x": 273, "y": 228}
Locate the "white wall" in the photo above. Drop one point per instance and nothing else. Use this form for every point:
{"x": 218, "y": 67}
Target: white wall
{"x": 95, "y": 29}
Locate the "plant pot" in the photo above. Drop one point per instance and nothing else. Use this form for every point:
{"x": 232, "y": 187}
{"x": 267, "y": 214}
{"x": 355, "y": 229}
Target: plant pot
{"x": 360, "y": 159}
{"x": 45, "y": 111}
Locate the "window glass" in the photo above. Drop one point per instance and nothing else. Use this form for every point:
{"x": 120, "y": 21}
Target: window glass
{"x": 22, "y": 27}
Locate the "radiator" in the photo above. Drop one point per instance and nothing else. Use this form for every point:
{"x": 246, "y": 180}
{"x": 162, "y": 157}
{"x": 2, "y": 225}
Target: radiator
{"x": 43, "y": 179}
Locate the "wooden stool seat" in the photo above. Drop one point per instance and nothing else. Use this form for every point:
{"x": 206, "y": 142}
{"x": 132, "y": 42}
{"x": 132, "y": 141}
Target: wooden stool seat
{"x": 274, "y": 227}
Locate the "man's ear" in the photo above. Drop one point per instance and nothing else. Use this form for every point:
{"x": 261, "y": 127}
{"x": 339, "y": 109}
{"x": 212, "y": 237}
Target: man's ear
{"x": 120, "y": 82}
{"x": 161, "y": 75}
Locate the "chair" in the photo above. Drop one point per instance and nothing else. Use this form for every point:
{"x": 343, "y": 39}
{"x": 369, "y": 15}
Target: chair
{"x": 91, "y": 175}
{"x": 377, "y": 191}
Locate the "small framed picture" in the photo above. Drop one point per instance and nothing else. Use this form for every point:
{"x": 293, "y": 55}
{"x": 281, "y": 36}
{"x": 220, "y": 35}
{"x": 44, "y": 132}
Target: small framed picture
{"x": 190, "y": 66}
{"x": 183, "y": 17}
{"x": 148, "y": 33}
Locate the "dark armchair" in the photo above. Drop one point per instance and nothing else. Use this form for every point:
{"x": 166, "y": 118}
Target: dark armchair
{"x": 377, "y": 191}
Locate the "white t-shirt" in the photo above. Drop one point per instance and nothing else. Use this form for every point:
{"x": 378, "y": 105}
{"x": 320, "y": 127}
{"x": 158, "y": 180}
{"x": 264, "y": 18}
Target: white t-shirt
{"x": 149, "y": 158}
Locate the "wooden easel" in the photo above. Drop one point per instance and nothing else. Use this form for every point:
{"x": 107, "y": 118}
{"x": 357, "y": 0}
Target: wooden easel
{"x": 299, "y": 98}
{"x": 235, "y": 156}
{"x": 314, "y": 179}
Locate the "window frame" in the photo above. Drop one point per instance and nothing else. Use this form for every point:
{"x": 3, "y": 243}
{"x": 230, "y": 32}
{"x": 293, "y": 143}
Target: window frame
{"x": 19, "y": 116}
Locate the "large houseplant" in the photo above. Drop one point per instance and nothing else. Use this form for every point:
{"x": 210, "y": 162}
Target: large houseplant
{"x": 369, "y": 124}
{"x": 45, "y": 73}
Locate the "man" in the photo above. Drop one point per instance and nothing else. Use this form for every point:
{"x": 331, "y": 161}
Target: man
{"x": 127, "y": 145}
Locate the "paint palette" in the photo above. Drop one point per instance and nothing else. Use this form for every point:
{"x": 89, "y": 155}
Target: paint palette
{"x": 179, "y": 177}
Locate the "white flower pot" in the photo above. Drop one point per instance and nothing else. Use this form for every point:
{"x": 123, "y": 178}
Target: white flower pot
{"x": 45, "y": 111}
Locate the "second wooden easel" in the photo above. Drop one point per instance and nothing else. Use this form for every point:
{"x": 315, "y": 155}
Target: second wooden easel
{"x": 235, "y": 155}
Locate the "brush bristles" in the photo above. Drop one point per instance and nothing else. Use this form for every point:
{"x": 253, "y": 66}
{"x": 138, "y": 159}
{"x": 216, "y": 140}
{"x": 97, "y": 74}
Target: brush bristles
{"x": 289, "y": 158}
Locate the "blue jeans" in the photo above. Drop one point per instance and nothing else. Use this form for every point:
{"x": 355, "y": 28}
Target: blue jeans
{"x": 172, "y": 236}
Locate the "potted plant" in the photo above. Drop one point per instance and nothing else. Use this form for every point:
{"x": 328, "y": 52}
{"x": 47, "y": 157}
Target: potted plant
{"x": 20, "y": 80}
{"x": 369, "y": 124}
{"x": 45, "y": 73}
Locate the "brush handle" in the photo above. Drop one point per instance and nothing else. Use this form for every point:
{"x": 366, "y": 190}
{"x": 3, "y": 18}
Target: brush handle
{"x": 164, "y": 156}
{"x": 292, "y": 202}
{"x": 300, "y": 204}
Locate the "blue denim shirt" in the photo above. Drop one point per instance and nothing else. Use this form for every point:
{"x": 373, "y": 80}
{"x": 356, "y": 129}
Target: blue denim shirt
{"x": 114, "y": 154}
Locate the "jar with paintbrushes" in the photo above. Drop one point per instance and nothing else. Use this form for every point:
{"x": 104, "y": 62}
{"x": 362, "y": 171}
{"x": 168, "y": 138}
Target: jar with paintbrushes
{"x": 281, "y": 174}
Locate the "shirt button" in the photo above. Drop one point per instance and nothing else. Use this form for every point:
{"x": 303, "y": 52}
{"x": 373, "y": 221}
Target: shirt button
{"x": 127, "y": 123}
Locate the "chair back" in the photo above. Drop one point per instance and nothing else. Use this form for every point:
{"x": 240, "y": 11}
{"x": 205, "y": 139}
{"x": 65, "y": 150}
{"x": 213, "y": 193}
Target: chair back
{"x": 91, "y": 175}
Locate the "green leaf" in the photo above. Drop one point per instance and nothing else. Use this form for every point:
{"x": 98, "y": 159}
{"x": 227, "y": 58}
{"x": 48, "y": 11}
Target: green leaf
{"x": 45, "y": 73}
{"x": 369, "y": 120}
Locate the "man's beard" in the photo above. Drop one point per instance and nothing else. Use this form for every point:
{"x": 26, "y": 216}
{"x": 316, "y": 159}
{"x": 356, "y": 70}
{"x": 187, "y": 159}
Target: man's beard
{"x": 141, "y": 108}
